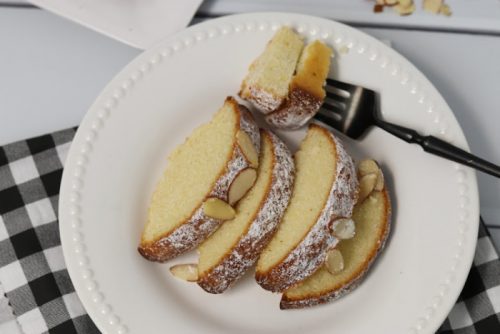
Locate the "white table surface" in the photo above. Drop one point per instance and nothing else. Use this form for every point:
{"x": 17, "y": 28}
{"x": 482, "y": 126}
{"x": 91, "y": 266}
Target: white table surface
{"x": 52, "y": 69}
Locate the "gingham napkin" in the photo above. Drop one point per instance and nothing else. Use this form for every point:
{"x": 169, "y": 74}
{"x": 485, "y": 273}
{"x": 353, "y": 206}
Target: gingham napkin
{"x": 36, "y": 283}
{"x": 32, "y": 269}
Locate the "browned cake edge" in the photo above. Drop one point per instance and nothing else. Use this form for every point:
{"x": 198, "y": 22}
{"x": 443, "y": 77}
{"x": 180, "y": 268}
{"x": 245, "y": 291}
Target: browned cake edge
{"x": 296, "y": 111}
{"x": 352, "y": 283}
{"x": 198, "y": 227}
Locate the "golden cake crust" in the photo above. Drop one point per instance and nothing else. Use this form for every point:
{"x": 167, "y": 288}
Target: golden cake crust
{"x": 198, "y": 227}
{"x": 264, "y": 223}
{"x": 309, "y": 254}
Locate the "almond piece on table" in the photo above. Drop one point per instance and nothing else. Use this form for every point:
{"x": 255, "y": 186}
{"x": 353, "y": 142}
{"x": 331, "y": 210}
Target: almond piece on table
{"x": 405, "y": 7}
{"x": 405, "y": 3}
{"x": 343, "y": 228}
{"x": 334, "y": 261}
{"x": 366, "y": 185}
{"x": 218, "y": 209}
{"x": 432, "y": 6}
{"x": 241, "y": 184}
{"x": 248, "y": 149}
{"x": 187, "y": 272}
{"x": 445, "y": 10}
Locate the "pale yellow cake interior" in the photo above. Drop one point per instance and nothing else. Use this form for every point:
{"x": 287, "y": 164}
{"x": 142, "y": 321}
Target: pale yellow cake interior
{"x": 313, "y": 68}
{"x": 227, "y": 236}
{"x": 370, "y": 217}
{"x": 315, "y": 164}
{"x": 272, "y": 71}
{"x": 192, "y": 170}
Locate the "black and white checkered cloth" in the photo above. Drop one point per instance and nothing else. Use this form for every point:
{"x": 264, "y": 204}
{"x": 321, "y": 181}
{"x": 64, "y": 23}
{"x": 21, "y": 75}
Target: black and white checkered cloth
{"x": 32, "y": 270}
{"x": 39, "y": 291}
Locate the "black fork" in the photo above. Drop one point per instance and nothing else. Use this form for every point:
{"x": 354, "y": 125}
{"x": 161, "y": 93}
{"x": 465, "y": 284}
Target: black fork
{"x": 353, "y": 109}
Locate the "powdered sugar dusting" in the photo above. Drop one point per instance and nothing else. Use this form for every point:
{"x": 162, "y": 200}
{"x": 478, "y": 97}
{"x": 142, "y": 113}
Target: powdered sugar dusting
{"x": 262, "y": 99}
{"x": 346, "y": 186}
{"x": 296, "y": 111}
{"x": 310, "y": 254}
{"x": 246, "y": 251}
{"x": 247, "y": 124}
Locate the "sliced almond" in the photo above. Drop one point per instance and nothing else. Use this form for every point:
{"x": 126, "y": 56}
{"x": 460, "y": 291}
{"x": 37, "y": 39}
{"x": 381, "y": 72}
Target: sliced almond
{"x": 379, "y": 186}
{"x": 246, "y": 146}
{"x": 367, "y": 166}
{"x": 218, "y": 209}
{"x": 404, "y": 10}
{"x": 391, "y": 2}
{"x": 334, "y": 261}
{"x": 378, "y": 8}
{"x": 380, "y": 2}
{"x": 445, "y": 10}
{"x": 372, "y": 199}
{"x": 343, "y": 228}
{"x": 366, "y": 185}
{"x": 370, "y": 166}
{"x": 187, "y": 272}
{"x": 405, "y": 3}
{"x": 432, "y": 6}
{"x": 241, "y": 184}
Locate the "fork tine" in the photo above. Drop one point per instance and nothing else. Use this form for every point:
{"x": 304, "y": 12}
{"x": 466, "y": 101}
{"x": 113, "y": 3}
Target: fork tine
{"x": 334, "y": 106}
{"x": 329, "y": 118}
{"x": 340, "y": 85}
{"x": 337, "y": 97}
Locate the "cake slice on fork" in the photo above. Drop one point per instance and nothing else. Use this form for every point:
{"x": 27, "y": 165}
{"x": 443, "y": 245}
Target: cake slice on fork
{"x": 267, "y": 82}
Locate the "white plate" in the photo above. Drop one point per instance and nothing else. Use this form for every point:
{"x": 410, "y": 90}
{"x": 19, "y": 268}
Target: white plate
{"x": 154, "y": 103}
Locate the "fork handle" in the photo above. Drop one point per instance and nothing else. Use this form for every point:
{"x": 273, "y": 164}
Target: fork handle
{"x": 440, "y": 148}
